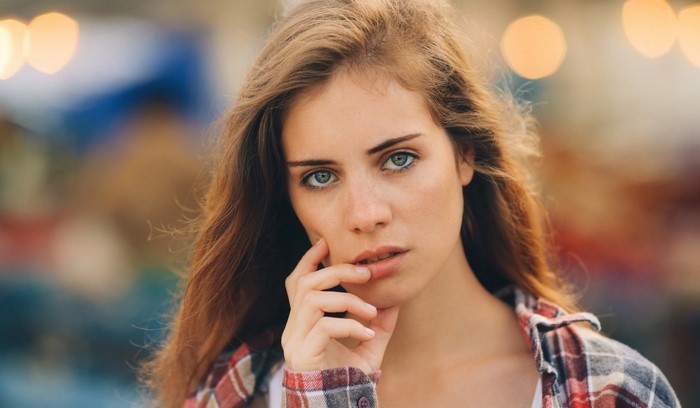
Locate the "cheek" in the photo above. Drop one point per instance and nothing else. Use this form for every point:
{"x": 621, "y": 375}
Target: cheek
{"x": 317, "y": 224}
{"x": 320, "y": 217}
{"x": 438, "y": 196}
{"x": 313, "y": 218}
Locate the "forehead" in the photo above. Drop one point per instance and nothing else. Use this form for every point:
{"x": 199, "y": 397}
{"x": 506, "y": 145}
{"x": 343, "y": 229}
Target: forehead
{"x": 353, "y": 108}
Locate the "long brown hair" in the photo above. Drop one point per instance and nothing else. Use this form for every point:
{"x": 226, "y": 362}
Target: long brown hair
{"x": 248, "y": 236}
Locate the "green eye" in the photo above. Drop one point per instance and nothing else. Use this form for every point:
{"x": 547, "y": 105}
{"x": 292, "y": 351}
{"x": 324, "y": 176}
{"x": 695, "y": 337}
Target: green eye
{"x": 322, "y": 177}
{"x": 319, "y": 179}
{"x": 399, "y": 161}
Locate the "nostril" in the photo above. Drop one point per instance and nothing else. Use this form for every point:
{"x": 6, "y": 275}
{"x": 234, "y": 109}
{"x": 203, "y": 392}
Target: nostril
{"x": 366, "y": 208}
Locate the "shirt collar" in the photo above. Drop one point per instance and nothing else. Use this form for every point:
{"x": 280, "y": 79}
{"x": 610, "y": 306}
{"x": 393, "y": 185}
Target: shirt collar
{"x": 537, "y": 316}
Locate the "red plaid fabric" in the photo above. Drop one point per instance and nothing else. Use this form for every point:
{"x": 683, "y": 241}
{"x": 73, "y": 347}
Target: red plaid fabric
{"x": 579, "y": 368}
{"x": 583, "y": 369}
{"x": 239, "y": 371}
{"x": 330, "y": 388}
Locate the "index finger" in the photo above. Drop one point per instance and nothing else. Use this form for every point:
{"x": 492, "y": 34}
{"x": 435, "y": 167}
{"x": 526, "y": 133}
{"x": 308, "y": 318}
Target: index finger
{"x": 314, "y": 256}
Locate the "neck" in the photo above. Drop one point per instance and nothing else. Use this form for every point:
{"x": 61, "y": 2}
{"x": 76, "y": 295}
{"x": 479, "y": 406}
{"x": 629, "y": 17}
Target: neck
{"x": 453, "y": 319}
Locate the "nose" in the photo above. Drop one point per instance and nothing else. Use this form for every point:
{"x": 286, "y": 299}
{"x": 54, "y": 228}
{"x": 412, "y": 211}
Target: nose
{"x": 366, "y": 207}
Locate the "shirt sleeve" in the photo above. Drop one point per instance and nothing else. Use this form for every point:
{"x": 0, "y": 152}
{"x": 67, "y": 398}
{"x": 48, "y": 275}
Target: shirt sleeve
{"x": 335, "y": 387}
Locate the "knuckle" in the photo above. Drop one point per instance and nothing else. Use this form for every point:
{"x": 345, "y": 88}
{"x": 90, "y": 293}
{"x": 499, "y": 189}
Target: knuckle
{"x": 306, "y": 283}
{"x": 289, "y": 282}
{"x": 313, "y": 299}
{"x": 304, "y": 298}
{"x": 324, "y": 324}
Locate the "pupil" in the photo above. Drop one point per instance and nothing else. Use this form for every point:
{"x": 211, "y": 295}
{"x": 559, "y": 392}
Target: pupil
{"x": 322, "y": 177}
{"x": 399, "y": 159}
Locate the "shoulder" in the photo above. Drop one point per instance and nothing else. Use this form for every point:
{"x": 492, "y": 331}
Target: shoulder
{"x": 240, "y": 374}
{"x": 581, "y": 366}
{"x": 595, "y": 368}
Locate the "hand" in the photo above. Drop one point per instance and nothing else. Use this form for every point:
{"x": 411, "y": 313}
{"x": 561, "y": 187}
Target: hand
{"x": 310, "y": 339}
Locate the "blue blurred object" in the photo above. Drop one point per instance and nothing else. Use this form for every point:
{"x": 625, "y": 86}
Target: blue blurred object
{"x": 177, "y": 79}
{"x": 61, "y": 350}
{"x": 120, "y": 65}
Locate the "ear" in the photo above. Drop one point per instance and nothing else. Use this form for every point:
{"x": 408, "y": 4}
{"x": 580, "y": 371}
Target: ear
{"x": 464, "y": 168}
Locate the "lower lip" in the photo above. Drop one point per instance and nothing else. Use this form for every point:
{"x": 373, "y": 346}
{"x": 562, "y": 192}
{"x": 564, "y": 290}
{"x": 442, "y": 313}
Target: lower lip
{"x": 385, "y": 267}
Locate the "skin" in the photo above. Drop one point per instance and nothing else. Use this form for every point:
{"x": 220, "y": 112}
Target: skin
{"x": 406, "y": 195}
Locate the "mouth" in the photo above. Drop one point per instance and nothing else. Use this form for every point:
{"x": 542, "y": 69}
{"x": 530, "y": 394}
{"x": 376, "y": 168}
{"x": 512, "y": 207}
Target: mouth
{"x": 383, "y": 261}
{"x": 377, "y": 258}
{"x": 379, "y": 255}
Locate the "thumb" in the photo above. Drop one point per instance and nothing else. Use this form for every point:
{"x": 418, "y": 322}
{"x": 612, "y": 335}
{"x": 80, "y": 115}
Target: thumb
{"x": 384, "y": 324}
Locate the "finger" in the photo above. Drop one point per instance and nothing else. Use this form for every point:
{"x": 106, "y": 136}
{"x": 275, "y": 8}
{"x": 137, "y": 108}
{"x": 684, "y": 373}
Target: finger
{"x": 314, "y": 256}
{"x": 308, "y": 263}
{"x": 333, "y": 276}
{"x": 313, "y": 305}
{"x": 316, "y": 304}
{"x": 385, "y": 323}
{"x": 383, "y": 326}
{"x": 306, "y": 353}
{"x": 330, "y": 328}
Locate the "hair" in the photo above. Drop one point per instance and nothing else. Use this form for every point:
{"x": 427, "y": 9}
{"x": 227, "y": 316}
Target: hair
{"x": 248, "y": 237}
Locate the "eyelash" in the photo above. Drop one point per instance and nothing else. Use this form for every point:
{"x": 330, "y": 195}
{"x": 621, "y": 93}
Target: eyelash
{"x": 304, "y": 182}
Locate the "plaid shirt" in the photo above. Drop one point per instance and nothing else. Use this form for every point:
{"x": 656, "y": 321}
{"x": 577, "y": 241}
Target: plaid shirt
{"x": 579, "y": 368}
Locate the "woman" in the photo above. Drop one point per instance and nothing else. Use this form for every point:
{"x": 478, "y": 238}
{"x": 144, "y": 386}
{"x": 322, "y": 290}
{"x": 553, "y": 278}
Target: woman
{"x": 362, "y": 129}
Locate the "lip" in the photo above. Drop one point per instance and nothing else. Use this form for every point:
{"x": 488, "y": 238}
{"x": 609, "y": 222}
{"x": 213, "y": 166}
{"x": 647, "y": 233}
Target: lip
{"x": 385, "y": 267}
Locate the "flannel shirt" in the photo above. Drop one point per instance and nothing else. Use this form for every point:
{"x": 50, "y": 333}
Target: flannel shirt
{"x": 578, "y": 367}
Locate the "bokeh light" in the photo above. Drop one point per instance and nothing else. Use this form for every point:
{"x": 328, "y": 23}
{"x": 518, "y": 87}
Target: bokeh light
{"x": 650, "y": 26}
{"x": 52, "y": 42}
{"x": 5, "y": 48}
{"x": 533, "y": 46}
{"x": 12, "y": 33}
{"x": 689, "y": 33}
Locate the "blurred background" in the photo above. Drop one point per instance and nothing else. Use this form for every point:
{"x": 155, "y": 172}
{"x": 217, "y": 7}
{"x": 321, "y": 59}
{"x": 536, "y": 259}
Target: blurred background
{"x": 105, "y": 110}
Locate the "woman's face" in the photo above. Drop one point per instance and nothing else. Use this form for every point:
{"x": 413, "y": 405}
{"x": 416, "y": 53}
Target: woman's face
{"x": 371, "y": 172}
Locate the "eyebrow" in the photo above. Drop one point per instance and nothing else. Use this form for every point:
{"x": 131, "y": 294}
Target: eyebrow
{"x": 376, "y": 149}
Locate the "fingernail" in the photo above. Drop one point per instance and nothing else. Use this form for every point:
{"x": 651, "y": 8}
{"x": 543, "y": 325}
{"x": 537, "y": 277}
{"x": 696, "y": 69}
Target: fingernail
{"x": 370, "y": 307}
{"x": 361, "y": 269}
{"x": 319, "y": 241}
{"x": 369, "y": 331}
